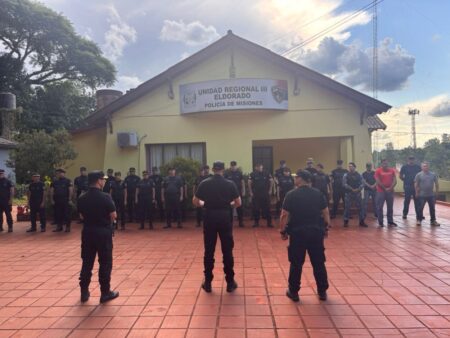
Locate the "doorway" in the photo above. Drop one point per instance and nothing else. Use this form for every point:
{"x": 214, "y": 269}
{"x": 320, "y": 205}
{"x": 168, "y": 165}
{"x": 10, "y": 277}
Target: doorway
{"x": 264, "y": 156}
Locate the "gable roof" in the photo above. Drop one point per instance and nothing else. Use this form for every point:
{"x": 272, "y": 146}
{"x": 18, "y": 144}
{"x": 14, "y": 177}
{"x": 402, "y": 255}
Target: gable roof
{"x": 7, "y": 144}
{"x": 372, "y": 106}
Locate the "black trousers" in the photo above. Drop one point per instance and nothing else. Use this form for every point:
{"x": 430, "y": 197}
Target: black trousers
{"x": 431, "y": 200}
{"x": 338, "y": 195}
{"x": 120, "y": 207}
{"x": 93, "y": 242}
{"x": 261, "y": 204}
{"x": 159, "y": 205}
{"x": 410, "y": 193}
{"x": 131, "y": 206}
{"x": 62, "y": 212}
{"x": 6, "y": 208}
{"x": 35, "y": 208}
{"x": 145, "y": 210}
{"x": 307, "y": 240}
{"x": 199, "y": 215}
{"x": 218, "y": 223}
{"x": 173, "y": 208}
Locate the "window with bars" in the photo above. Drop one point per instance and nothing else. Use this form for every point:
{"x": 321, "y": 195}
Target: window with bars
{"x": 160, "y": 154}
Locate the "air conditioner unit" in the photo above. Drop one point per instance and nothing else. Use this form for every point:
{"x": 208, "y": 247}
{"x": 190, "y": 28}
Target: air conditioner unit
{"x": 127, "y": 140}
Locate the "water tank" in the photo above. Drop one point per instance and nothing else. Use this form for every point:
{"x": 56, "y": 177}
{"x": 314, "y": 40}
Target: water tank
{"x": 106, "y": 96}
{"x": 7, "y": 101}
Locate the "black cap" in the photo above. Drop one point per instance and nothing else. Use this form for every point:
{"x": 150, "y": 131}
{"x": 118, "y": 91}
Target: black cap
{"x": 110, "y": 171}
{"x": 233, "y": 163}
{"x": 352, "y": 163}
{"x": 82, "y": 168}
{"x": 117, "y": 173}
{"x": 218, "y": 165}
{"x": 60, "y": 170}
{"x": 304, "y": 175}
{"x": 132, "y": 169}
{"x": 339, "y": 162}
{"x": 95, "y": 175}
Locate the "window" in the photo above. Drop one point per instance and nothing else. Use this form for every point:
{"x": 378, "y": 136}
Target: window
{"x": 160, "y": 154}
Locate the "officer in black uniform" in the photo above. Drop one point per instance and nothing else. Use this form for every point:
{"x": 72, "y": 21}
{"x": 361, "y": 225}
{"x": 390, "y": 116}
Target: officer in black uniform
{"x": 81, "y": 182}
{"x": 370, "y": 189}
{"x": 6, "y": 198}
{"x": 310, "y": 167}
{"x": 173, "y": 194}
{"x": 98, "y": 213}
{"x": 158, "y": 181}
{"x": 145, "y": 197}
{"x": 235, "y": 175}
{"x": 131, "y": 182}
{"x": 37, "y": 195}
{"x": 353, "y": 184}
{"x": 285, "y": 184}
{"x": 109, "y": 181}
{"x": 277, "y": 176}
{"x": 260, "y": 186}
{"x": 183, "y": 203}
{"x": 117, "y": 191}
{"x": 321, "y": 182}
{"x": 61, "y": 191}
{"x": 217, "y": 195}
{"x": 338, "y": 189}
{"x": 204, "y": 174}
{"x": 301, "y": 222}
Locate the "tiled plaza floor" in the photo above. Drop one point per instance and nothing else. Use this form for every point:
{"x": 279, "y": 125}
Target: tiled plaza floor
{"x": 384, "y": 282}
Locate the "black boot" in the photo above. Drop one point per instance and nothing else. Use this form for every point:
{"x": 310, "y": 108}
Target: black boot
{"x": 109, "y": 296}
{"x": 85, "y": 294}
{"x": 292, "y": 295}
{"x": 32, "y": 229}
{"x": 10, "y": 228}
{"x": 206, "y": 285}
{"x": 231, "y": 286}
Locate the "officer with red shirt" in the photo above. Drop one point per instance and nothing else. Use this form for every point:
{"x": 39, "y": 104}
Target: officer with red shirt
{"x": 386, "y": 181}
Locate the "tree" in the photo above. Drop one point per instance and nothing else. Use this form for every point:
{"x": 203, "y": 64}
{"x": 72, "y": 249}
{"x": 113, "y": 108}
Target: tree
{"x": 41, "y": 152}
{"x": 41, "y": 47}
{"x": 439, "y": 157}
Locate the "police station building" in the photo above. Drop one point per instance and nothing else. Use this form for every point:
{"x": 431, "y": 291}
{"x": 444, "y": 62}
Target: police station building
{"x": 233, "y": 100}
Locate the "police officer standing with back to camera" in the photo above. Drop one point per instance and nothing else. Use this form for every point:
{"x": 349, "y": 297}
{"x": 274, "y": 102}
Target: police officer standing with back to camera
{"x": 61, "y": 191}
{"x": 37, "y": 195}
{"x": 338, "y": 189}
{"x": 109, "y": 181}
{"x": 98, "y": 213}
{"x": 172, "y": 194}
{"x": 235, "y": 175}
{"x": 117, "y": 191}
{"x": 81, "y": 182}
{"x": 204, "y": 174}
{"x": 130, "y": 183}
{"x": 158, "y": 181}
{"x": 301, "y": 222}
{"x": 145, "y": 197}
{"x": 260, "y": 186}
{"x": 6, "y": 198}
{"x": 285, "y": 184}
{"x": 217, "y": 195}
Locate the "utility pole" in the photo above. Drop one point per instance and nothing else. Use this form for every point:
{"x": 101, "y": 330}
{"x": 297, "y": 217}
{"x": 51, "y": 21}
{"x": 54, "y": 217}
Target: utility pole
{"x": 413, "y": 113}
{"x": 375, "y": 50}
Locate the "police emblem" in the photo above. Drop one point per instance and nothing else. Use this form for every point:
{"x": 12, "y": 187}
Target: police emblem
{"x": 279, "y": 94}
{"x": 189, "y": 99}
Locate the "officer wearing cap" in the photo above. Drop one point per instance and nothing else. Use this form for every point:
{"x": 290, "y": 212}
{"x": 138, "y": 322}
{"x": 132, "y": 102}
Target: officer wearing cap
{"x": 260, "y": 186}
{"x": 217, "y": 195}
{"x": 6, "y": 198}
{"x": 204, "y": 174}
{"x": 130, "y": 183}
{"x": 337, "y": 187}
{"x": 285, "y": 184}
{"x": 301, "y": 222}
{"x": 158, "y": 181}
{"x": 81, "y": 182}
{"x": 98, "y": 213}
{"x": 61, "y": 191}
{"x": 172, "y": 195}
{"x": 117, "y": 192}
{"x": 145, "y": 196}
{"x": 111, "y": 179}
{"x": 37, "y": 195}
{"x": 235, "y": 175}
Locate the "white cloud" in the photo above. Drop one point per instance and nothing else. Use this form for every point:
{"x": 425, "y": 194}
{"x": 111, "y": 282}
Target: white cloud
{"x": 118, "y": 35}
{"x": 192, "y": 34}
{"x": 126, "y": 82}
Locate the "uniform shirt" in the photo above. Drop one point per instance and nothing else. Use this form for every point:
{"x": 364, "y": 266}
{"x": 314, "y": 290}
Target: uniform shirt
{"x": 320, "y": 181}
{"x": 260, "y": 182}
{"x": 81, "y": 183}
{"x": 426, "y": 182}
{"x": 279, "y": 173}
{"x": 131, "y": 182}
{"x": 117, "y": 190}
{"x": 36, "y": 190}
{"x": 5, "y": 189}
{"x": 408, "y": 172}
{"x": 352, "y": 180}
{"x": 61, "y": 188}
{"x": 369, "y": 178}
{"x": 285, "y": 184}
{"x": 312, "y": 171}
{"x": 107, "y": 186}
{"x": 158, "y": 181}
{"x": 236, "y": 177}
{"x": 217, "y": 192}
{"x": 96, "y": 206}
{"x": 305, "y": 205}
{"x": 201, "y": 178}
{"x": 146, "y": 187}
{"x": 172, "y": 185}
{"x": 337, "y": 175}
{"x": 386, "y": 177}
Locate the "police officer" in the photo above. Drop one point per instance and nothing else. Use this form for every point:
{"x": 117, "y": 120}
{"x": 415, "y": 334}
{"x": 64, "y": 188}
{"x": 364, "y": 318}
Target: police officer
{"x": 260, "y": 186}
{"x": 117, "y": 191}
{"x": 6, "y": 198}
{"x": 173, "y": 194}
{"x": 158, "y": 181}
{"x": 98, "y": 213}
{"x": 285, "y": 184}
{"x": 81, "y": 182}
{"x": 109, "y": 181}
{"x": 300, "y": 221}
{"x": 145, "y": 196}
{"x": 217, "y": 195}
{"x": 321, "y": 181}
{"x": 353, "y": 184}
{"x": 277, "y": 176}
{"x": 310, "y": 167}
{"x": 37, "y": 195}
{"x": 235, "y": 175}
{"x": 204, "y": 174}
{"x": 408, "y": 173}
{"x": 370, "y": 190}
{"x": 130, "y": 183}
{"x": 338, "y": 189}
{"x": 61, "y": 191}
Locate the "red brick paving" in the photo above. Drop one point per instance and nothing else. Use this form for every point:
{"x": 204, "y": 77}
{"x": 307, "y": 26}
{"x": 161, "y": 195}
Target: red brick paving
{"x": 384, "y": 283}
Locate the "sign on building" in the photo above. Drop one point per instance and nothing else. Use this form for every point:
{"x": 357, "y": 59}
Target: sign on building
{"x": 234, "y": 94}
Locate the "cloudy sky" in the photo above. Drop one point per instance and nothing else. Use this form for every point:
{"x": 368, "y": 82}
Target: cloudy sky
{"x": 145, "y": 37}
